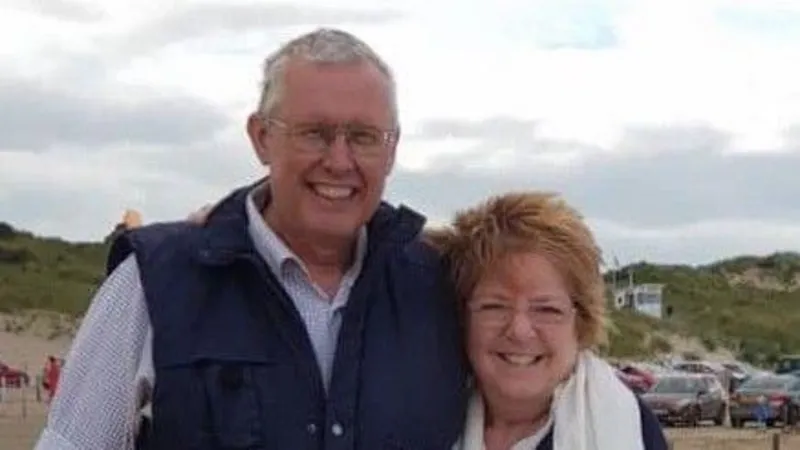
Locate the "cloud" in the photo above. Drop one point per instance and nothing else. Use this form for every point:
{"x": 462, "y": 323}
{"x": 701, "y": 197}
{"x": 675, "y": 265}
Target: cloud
{"x": 51, "y": 210}
{"x": 755, "y": 20}
{"x": 698, "y": 243}
{"x": 204, "y": 20}
{"x": 68, "y": 10}
{"x": 659, "y": 208}
{"x": 491, "y": 143}
{"x": 569, "y": 25}
{"x": 530, "y": 24}
{"x": 678, "y": 146}
{"x": 655, "y": 177}
{"x": 43, "y": 191}
{"x": 39, "y": 115}
{"x": 685, "y": 138}
{"x": 499, "y": 127}
{"x": 791, "y": 138}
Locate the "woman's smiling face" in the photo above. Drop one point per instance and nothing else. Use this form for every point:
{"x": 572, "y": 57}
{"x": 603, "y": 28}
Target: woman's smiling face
{"x": 521, "y": 330}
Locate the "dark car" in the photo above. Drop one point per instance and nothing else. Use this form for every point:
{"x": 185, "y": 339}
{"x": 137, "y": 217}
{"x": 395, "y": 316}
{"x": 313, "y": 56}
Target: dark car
{"x": 779, "y": 396}
{"x": 788, "y": 364}
{"x": 687, "y": 398}
{"x": 741, "y": 372}
{"x": 13, "y": 378}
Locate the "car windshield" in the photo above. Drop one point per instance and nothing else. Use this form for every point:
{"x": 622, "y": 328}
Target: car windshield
{"x": 766, "y": 383}
{"x": 789, "y": 364}
{"x": 677, "y": 385}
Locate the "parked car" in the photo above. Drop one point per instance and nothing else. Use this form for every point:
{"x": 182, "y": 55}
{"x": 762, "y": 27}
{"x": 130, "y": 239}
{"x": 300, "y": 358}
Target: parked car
{"x": 687, "y": 398}
{"x": 741, "y": 372}
{"x": 788, "y": 364}
{"x": 780, "y": 393}
{"x": 723, "y": 374}
{"x": 13, "y": 378}
{"x": 746, "y": 369}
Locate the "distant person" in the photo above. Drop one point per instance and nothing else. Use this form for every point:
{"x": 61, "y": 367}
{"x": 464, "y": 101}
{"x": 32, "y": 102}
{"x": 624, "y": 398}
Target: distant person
{"x": 51, "y": 375}
{"x": 762, "y": 412}
{"x": 304, "y": 314}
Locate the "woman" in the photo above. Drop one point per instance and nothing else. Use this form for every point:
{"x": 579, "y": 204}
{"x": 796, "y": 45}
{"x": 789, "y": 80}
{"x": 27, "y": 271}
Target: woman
{"x": 531, "y": 295}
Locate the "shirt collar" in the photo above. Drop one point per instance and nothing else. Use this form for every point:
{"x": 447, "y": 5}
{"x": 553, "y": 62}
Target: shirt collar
{"x": 272, "y": 248}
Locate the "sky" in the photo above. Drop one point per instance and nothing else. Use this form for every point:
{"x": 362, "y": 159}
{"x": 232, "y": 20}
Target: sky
{"x": 672, "y": 125}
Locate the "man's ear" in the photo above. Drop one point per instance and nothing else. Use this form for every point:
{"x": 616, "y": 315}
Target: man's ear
{"x": 257, "y": 131}
{"x": 393, "y": 152}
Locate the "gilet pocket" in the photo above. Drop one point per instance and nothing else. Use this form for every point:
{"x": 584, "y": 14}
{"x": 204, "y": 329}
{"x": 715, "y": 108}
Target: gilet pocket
{"x": 233, "y": 407}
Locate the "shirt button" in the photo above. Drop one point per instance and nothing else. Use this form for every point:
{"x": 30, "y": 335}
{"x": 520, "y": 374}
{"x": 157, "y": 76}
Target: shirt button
{"x": 311, "y": 428}
{"x": 337, "y": 430}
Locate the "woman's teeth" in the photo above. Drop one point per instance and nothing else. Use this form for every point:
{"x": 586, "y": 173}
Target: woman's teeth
{"x": 520, "y": 360}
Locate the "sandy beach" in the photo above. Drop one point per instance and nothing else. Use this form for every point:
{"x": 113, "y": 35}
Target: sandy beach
{"x": 21, "y": 415}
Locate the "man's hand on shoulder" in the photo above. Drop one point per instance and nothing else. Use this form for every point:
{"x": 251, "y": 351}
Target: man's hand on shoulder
{"x": 200, "y": 216}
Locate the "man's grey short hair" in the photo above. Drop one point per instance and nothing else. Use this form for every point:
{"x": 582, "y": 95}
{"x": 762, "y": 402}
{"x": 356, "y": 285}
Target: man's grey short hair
{"x": 325, "y": 46}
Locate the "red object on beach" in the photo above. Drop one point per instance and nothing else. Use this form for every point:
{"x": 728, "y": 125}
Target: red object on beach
{"x": 11, "y": 377}
{"x": 52, "y": 371}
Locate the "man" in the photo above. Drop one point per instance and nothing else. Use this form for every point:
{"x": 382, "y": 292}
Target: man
{"x": 304, "y": 314}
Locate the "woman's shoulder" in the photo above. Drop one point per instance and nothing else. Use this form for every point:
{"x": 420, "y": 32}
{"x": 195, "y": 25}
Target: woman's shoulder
{"x": 652, "y": 433}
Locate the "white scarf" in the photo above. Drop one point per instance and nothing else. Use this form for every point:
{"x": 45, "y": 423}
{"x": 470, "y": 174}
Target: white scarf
{"x": 592, "y": 410}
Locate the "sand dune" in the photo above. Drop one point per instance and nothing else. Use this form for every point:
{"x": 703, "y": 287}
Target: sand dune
{"x": 29, "y": 347}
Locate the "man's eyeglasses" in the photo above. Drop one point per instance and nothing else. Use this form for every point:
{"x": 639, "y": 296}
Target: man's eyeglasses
{"x": 363, "y": 140}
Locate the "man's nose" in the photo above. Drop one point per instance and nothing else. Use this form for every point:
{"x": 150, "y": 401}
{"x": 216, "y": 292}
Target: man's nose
{"x": 339, "y": 156}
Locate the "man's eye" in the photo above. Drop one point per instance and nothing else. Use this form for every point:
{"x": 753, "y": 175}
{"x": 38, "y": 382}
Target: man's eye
{"x": 364, "y": 137}
{"x": 311, "y": 133}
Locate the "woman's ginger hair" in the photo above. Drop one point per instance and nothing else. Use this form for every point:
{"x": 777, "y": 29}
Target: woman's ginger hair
{"x": 520, "y": 222}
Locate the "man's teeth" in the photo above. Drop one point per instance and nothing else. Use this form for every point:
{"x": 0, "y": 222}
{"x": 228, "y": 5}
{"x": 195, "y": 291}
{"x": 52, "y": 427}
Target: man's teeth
{"x": 519, "y": 360}
{"x": 333, "y": 192}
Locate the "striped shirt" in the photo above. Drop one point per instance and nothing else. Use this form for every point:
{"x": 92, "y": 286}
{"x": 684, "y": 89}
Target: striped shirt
{"x": 110, "y": 373}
